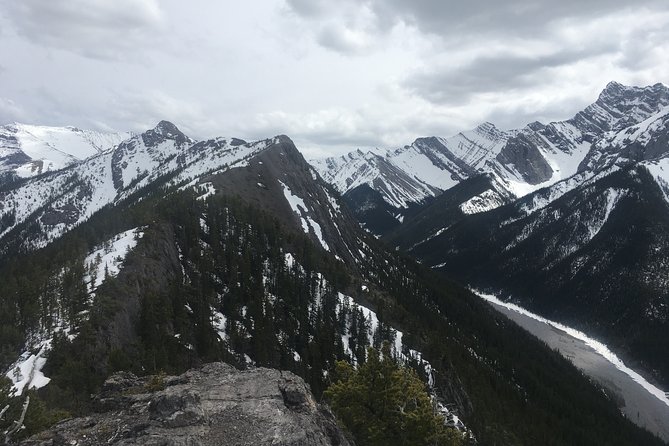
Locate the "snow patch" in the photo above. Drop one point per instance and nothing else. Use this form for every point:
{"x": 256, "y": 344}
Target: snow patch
{"x": 485, "y": 201}
{"x": 26, "y": 373}
{"x": 659, "y": 169}
{"x": 219, "y": 322}
{"x": 300, "y": 208}
{"x": 108, "y": 259}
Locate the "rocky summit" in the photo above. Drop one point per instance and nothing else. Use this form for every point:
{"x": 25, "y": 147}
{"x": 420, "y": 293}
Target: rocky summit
{"x": 214, "y": 405}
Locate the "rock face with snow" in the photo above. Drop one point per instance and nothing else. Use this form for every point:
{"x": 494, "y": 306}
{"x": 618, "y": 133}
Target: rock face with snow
{"x": 615, "y": 130}
{"x": 214, "y": 405}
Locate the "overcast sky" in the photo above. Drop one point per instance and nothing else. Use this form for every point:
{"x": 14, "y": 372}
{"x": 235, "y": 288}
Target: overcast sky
{"x": 333, "y": 75}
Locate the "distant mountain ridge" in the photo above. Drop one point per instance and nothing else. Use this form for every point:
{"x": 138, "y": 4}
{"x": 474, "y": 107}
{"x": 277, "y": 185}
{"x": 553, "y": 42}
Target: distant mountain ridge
{"x": 38, "y": 210}
{"x": 519, "y": 161}
{"x": 62, "y": 199}
{"x": 29, "y": 150}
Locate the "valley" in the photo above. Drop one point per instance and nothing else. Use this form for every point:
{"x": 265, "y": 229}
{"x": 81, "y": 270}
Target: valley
{"x": 640, "y": 401}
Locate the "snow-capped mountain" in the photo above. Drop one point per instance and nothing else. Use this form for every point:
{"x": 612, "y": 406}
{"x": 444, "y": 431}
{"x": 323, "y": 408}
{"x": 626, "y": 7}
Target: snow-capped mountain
{"x": 647, "y": 140}
{"x": 36, "y": 211}
{"x": 520, "y": 161}
{"x": 29, "y": 150}
{"x": 63, "y": 199}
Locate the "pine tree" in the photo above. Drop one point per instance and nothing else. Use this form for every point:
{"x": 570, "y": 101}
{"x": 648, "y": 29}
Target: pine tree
{"x": 383, "y": 403}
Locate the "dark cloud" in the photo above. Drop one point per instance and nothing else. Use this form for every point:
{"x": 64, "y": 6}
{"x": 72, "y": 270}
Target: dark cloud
{"x": 476, "y": 19}
{"x": 308, "y": 8}
{"x": 510, "y": 17}
{"x": 455, "y": 85}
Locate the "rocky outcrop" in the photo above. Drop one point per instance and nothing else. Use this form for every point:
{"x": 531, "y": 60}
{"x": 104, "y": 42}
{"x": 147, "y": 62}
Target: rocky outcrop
{"x": 66, "y": 214}
{"x": 520, "y": 154}
{"x": 214, "y": 405}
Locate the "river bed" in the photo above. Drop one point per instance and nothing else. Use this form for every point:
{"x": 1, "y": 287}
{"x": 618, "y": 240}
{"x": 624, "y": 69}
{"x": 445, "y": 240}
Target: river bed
{"x": 640, "y": 401}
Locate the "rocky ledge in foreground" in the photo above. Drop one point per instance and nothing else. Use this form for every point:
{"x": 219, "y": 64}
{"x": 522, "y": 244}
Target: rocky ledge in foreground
{"x": 214, "y": 405}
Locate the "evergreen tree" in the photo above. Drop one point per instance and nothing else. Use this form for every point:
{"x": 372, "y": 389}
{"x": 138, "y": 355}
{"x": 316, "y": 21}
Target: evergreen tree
{"x": 383, "y": 403}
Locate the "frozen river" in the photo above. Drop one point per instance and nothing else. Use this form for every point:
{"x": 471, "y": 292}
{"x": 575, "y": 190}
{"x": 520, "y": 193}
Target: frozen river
{"x": 640, "y": 401}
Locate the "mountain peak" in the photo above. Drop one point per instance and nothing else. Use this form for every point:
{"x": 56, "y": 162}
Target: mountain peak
{"x": 619, "y": 106}
{"x": 166, "y": 128}
{"x": 163, "y": 131}
{"x": 616, "y": 92}
{"x": 615, "y": 86}
{"x": 486, "y": 126}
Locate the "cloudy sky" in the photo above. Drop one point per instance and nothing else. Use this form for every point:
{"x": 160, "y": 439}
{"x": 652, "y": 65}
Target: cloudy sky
{"x": 333, "y": 75}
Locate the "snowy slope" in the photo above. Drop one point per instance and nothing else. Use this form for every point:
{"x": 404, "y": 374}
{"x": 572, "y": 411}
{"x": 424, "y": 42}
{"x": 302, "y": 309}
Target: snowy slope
{"x": 659, "y": 169}
{"x": 357, "y": 168}
{"x": 66, "y": 198}
{"x": 107, "y": 259}
{"x": 29, "y": 150}
{"x": 646, "y": 140}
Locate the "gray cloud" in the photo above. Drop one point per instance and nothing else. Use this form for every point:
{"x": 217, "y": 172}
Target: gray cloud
{"x": 494, "y": 72}
{"x": 642, "y": 48}
{"x": 93, "y": 28}
{"x": 308, "y": 8}
{"x": 511, "y": 17}
{"x": 10, "y": 111}
{"x": 456, "y": 20}
{"x": 511, "y": 48}
{"x": 343, "y": 40}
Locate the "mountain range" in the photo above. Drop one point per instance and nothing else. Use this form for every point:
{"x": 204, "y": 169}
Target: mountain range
{"x": 517, "y": 162}
{"x": 156, "y": 252}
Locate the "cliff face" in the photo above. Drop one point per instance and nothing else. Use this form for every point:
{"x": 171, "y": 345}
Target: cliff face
{"x": 214, "y": 405}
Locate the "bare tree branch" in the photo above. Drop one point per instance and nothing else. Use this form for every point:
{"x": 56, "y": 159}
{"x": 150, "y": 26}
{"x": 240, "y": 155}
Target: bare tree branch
{"x": 18, "y": 423}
